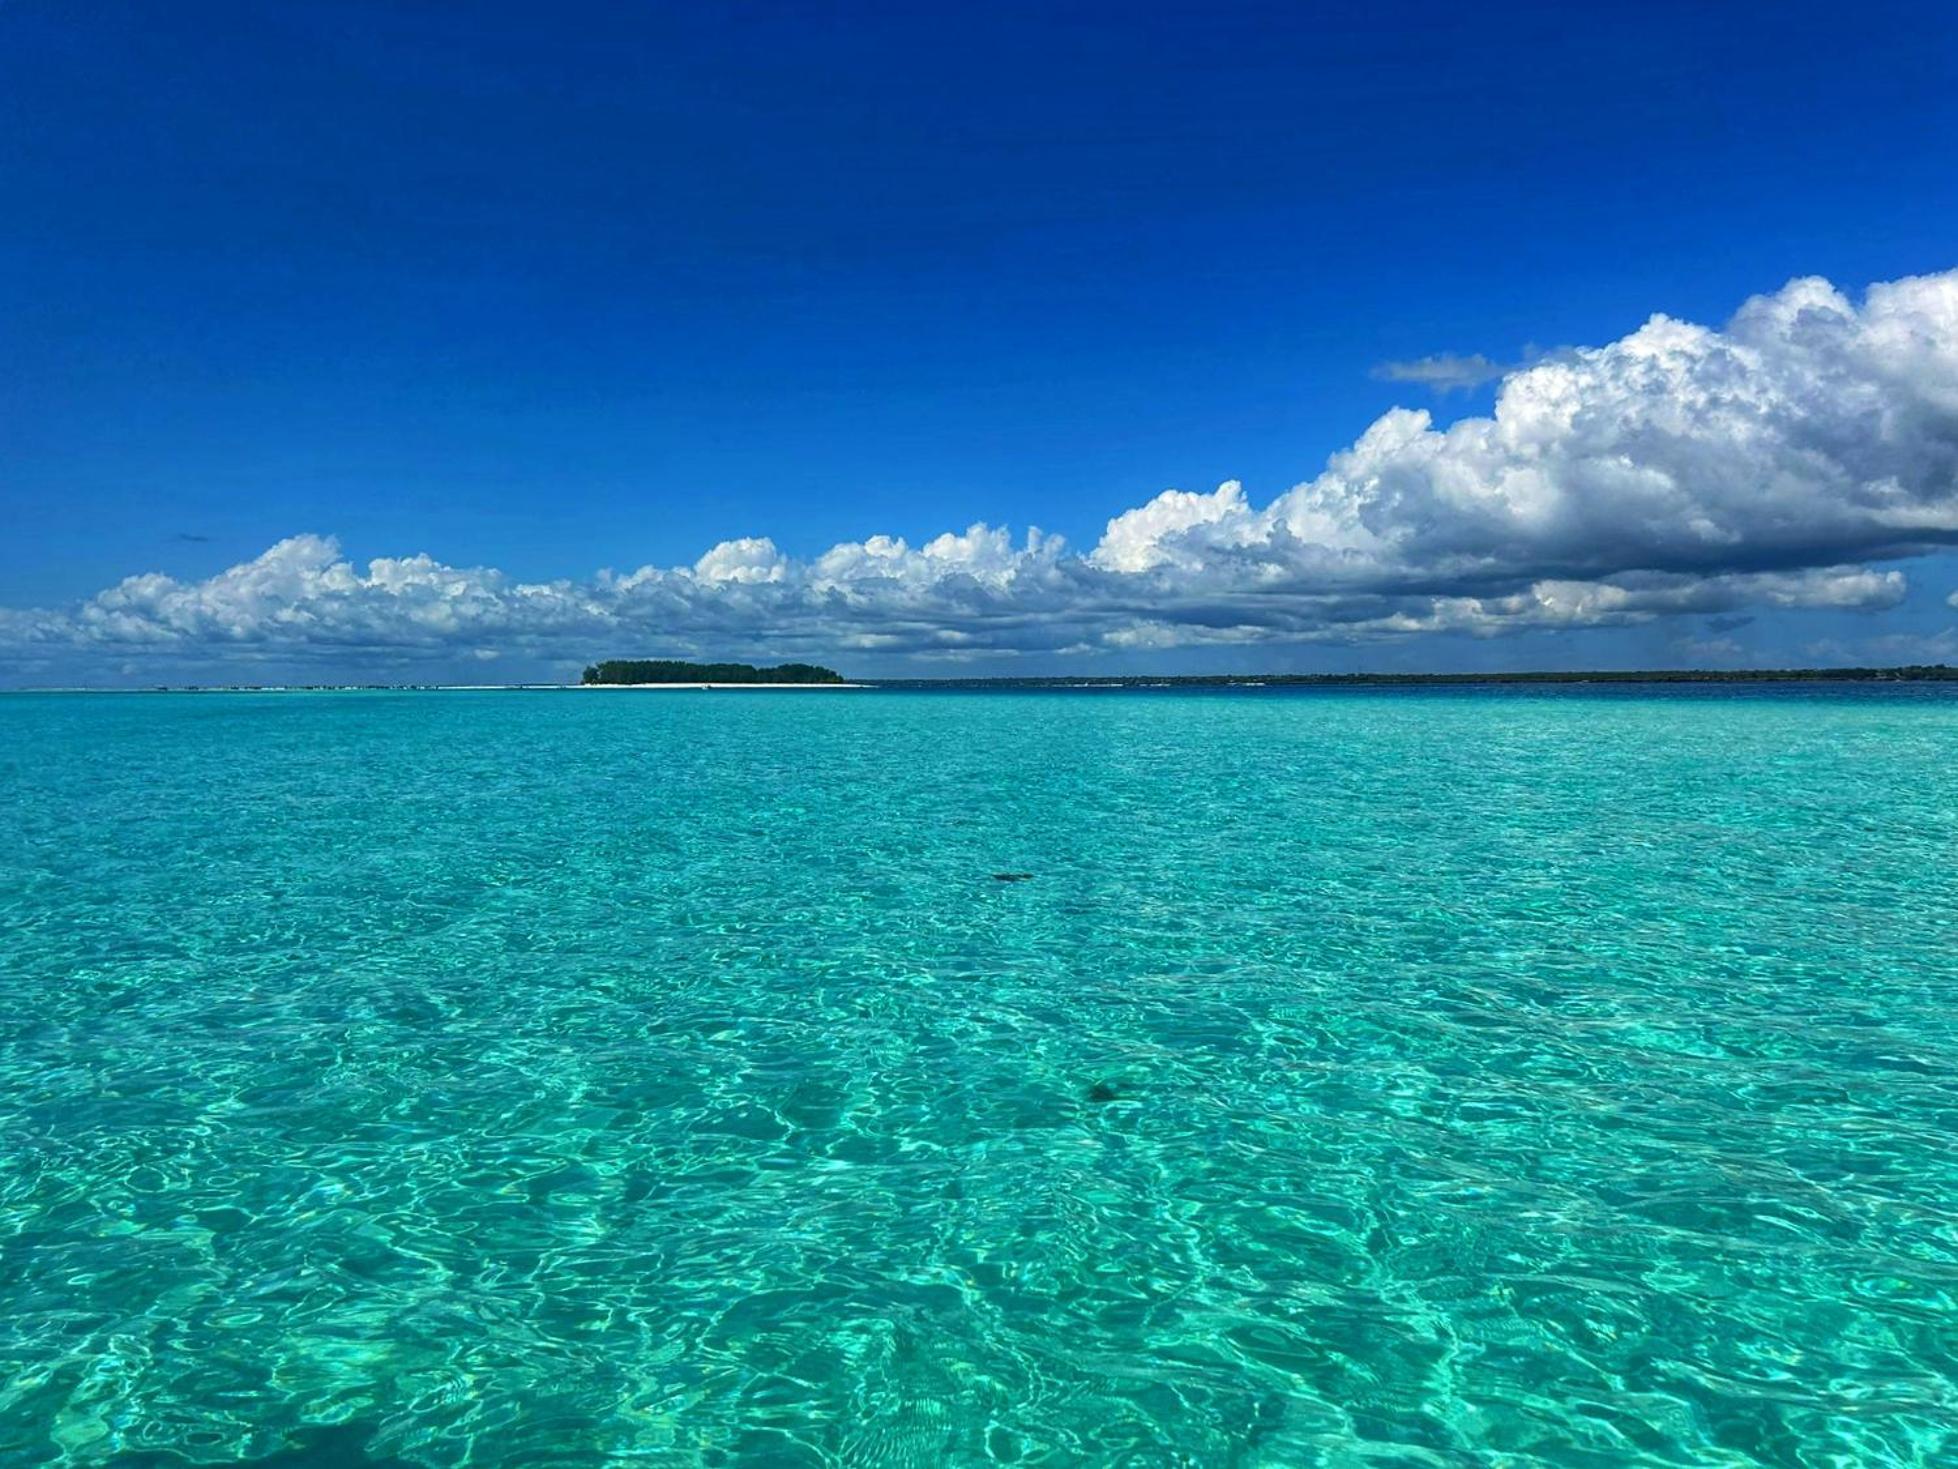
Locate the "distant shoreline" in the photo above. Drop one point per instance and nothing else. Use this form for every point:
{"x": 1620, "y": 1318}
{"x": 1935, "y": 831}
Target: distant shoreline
{"x": 1912, "y": 673}
{"x": 1936, "y": 673}
{"x": 744, "y": 686}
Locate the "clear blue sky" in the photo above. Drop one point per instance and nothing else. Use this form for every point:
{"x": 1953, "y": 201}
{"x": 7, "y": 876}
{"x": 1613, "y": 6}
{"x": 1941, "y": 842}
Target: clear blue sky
{"x": 556, "y": 287}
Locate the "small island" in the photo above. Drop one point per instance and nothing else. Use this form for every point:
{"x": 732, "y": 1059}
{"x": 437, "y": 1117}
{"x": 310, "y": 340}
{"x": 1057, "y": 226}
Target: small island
{"x": 622, "y": 671}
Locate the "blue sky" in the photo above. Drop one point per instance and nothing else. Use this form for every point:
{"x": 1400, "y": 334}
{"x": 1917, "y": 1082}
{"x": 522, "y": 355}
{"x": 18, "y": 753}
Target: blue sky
{"x": 545, "y": 290}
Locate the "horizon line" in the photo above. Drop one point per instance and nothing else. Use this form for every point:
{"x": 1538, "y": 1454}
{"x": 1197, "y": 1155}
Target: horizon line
{"x": 1886, "y": 673}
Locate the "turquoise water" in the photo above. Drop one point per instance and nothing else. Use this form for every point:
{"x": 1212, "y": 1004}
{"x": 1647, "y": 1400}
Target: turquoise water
{"x": 1463, "y": 1078}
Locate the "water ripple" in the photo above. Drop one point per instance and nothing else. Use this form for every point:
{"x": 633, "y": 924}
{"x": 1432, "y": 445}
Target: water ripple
{"x": 536, "y": 1080}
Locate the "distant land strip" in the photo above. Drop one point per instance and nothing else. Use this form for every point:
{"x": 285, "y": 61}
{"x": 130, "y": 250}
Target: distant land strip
{"x": 668, "y": 670}
{"x": 1910, "y": 673}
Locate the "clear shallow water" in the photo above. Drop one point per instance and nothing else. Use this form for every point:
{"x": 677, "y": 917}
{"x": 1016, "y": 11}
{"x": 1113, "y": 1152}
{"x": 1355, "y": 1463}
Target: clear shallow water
{"x": 1394, "y": 1079}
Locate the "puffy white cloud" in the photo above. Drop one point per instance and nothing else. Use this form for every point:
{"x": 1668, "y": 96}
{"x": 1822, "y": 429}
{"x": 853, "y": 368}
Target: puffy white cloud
{"x": 750, "y": 559}
{"x": 1808, "y": 432}
{"x": 1679, "y": 470}
{"x": 1177, "y": 529}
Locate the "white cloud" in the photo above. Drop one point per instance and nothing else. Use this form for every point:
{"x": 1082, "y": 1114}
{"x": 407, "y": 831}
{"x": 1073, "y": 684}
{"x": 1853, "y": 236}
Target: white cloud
{"x": 1678, "y": 470}
{"x": 750, "y": 559}
{"x": 1445, "y": 371}
{"x": 1172, "y": 530}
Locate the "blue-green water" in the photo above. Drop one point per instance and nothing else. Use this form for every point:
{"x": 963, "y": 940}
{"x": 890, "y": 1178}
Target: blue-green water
{"x": 1463, "y": 1078}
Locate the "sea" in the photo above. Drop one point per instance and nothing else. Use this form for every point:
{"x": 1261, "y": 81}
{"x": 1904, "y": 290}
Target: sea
{"x": 1500, "y": 1077}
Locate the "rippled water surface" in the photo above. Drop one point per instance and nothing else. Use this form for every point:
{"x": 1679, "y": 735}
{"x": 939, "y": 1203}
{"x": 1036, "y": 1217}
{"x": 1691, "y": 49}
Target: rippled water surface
{"x": 1462, "y": 1078}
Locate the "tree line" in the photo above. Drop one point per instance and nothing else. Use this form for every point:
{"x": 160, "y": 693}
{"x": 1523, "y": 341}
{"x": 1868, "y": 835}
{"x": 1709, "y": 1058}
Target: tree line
{"x": 668, "y": 670}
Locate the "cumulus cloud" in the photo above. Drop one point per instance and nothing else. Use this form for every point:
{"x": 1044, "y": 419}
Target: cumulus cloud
{"x": 1445, "y": 371}
{"x": 1681, "y": 470}
{"x": 750, "y": 559}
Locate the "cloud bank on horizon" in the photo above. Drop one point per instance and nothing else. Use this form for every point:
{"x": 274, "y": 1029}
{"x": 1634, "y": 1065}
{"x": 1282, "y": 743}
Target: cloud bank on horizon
{"x": 1681, "y": 469}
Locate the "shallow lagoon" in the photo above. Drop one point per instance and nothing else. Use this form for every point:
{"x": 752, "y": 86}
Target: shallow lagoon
{"x": 1498, "y": 1077}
